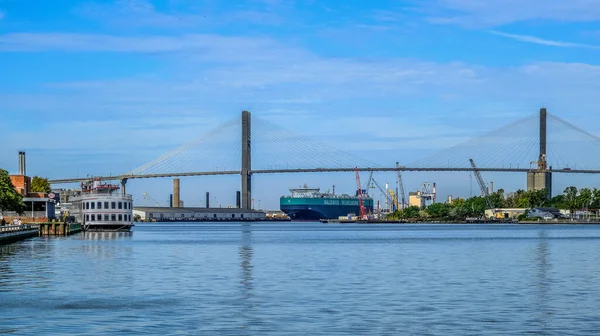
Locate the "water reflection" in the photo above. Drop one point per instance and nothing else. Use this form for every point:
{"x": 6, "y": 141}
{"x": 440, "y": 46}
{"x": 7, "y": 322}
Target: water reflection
{"x": 542, "y": 282}
{"x": 246, "y": 253}
{"x": 105, "y": 235}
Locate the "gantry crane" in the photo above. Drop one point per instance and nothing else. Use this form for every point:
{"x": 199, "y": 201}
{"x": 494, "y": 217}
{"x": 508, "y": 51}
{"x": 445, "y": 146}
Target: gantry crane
{"x": 483, "y": 186}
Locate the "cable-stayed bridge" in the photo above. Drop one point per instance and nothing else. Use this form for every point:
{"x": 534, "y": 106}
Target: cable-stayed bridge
{"x": 539, "y": 145}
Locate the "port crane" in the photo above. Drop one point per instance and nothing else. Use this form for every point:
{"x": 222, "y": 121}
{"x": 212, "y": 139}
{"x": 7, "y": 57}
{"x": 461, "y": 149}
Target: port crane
{"x": 485, "y": 192}
{"x": 388, "y": 199}
{"x": 363, "y": 210}
{"x": 148, "y": 197}
{"x": 401, "y": 187}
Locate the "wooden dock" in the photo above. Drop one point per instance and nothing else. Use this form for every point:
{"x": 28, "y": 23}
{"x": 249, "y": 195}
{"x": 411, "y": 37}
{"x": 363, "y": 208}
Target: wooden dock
{"x": 12, "y": 233}
{"x": 58, "y": 229}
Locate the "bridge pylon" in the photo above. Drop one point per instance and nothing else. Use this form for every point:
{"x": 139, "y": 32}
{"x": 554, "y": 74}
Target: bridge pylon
{"x": 246, "y": 161}
{"x": 542, "y": 177}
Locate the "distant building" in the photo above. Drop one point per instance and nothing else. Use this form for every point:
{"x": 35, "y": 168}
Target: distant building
{"x": 196, "y": 214}
{"x": 545, "y": 213}
{"x": 505, "y": 213}
{"x": 39, "y": 207}
{"x": 415, "y": 199}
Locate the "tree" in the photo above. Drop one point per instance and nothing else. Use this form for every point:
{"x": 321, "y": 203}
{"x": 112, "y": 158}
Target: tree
{"x": 10, "y": 199}
{"x": 584, "y": 199}
{"x": 571, "y": 198}
{"x": 40, "y": 184}
{"x": 438, "y": 210}
{"x": 411, "y": 212}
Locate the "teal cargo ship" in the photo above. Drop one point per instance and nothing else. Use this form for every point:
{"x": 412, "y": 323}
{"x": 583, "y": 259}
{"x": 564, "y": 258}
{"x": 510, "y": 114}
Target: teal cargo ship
{"x": 311, "y": 204}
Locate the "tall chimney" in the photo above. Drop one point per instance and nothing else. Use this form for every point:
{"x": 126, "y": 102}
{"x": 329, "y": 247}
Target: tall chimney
{"x": 176, "y": 193}
{"x": 22, "y": 166}
{"x": 434, "y": 192}
{"x": 170, "y": 200}
{"x": 238, "y": 201}
{"x": 491, "y": 187}
{"x": 207, "y": 200}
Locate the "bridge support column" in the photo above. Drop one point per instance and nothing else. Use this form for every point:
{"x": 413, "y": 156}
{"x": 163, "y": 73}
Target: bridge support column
{"x": 123, "y": 184}
{"x": 542, "y": 177}
{"x": 246, "y": 161}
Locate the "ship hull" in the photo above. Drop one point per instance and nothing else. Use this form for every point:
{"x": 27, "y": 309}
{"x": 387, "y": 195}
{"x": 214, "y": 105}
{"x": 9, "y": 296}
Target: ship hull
{"x": 322, "y": 208}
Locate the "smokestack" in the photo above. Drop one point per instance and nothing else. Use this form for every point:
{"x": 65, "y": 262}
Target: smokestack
{"x": 176, "y": 193}
{"x": 434, "y": 192}
{"x": 207, "y": 200}
{"x": 170, "y": 200}
{"x": 238, "y": 201}
{"x": 491, "y": 187}
{"x": 22, "y": 166}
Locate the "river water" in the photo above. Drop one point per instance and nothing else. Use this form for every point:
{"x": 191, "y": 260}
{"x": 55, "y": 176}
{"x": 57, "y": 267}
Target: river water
{"x": 305, "y": 279}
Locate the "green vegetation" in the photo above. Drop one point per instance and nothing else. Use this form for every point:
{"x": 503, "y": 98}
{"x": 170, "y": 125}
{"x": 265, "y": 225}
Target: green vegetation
{"x": 460, "y": 209}
{"x": 10, "y": 199}
{"x": 40, "y": 184}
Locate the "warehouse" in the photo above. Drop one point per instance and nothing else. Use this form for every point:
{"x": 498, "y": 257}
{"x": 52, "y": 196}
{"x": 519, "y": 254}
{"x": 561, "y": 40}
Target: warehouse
{"x": 196, "y": 214}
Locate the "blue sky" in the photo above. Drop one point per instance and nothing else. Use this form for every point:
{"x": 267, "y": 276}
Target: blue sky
{"x": 103, "y": 87}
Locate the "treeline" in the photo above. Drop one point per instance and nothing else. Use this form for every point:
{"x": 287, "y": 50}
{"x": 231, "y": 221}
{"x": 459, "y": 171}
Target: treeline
{"x": 571, "y": 199}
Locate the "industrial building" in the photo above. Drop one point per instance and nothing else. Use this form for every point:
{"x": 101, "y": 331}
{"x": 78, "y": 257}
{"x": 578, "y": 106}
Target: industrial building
{"x": 39, "y": 207}
{"x": 196, "y": 214}
{"x": 177, "y": 212}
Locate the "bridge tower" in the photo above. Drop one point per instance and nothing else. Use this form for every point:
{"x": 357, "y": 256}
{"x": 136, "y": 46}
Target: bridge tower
{"x": 541, "y": 178}
{"x": 246, "y": 162}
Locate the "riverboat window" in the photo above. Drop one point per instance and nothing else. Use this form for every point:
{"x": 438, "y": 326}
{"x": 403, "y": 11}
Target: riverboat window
{"x": 113, "y": 205}
{"x": 120, "y": 217}
{"x": 105, "y": 205}
{"x": 87, "y": 205}
{"x": 99, "y": 205}
{"x": 93, "y": 205}
{"x": 120, "y": 205}
{"x": 113, "y": 217}
{"x": 87, "y": 217}
{"x": 232, "y": 215}
{"x": 106, "y": 218}
{"x": 242, "y": 216}
{"x": 93, "y": 218}
{"x": 214, "y": 215}
{"x": 129, "y": 218}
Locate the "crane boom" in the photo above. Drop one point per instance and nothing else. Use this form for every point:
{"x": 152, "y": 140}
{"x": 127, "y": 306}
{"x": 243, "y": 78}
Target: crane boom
{"x": 366, "y": 187}
{"x": 387, "y": 197}
{"x": 401, "y": 188}
{"x": 363, "y": 212}
{"x": 484, "y": 189}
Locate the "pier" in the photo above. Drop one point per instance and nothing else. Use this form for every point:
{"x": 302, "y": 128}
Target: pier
{"x": 13, "y": 233}
{"x": 59, "y": 229}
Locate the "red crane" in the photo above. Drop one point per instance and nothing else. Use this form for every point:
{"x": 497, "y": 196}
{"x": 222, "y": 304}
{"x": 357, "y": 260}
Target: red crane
{"x": 363, "y": 210}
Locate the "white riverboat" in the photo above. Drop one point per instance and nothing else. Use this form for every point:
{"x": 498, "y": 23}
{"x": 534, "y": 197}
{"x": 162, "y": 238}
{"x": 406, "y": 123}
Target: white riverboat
{"x": 102, "y": 207}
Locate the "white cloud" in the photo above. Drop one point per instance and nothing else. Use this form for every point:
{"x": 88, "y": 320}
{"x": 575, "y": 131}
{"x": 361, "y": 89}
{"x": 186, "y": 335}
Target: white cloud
{"x": 492, "y": 13}
{"x": 537, "y": 40}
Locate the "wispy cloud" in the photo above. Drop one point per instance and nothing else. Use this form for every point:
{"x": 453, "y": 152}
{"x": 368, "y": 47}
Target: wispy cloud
{"x": 493, "y": 13}
{"x": 537, "y": 40}
{"x": 178, "y": 15}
